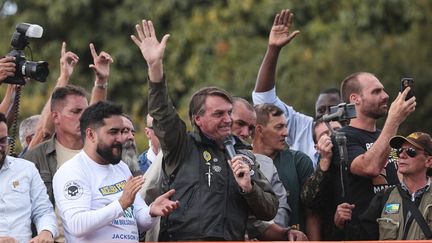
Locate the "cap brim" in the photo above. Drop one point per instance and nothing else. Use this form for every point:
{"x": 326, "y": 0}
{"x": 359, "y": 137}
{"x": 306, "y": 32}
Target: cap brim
{"x": 397, "y": 141}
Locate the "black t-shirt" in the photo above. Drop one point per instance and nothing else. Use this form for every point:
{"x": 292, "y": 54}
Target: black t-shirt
{"x": 358, "y": 190}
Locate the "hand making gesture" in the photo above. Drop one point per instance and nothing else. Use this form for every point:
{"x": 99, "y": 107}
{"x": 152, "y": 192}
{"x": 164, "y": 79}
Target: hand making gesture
{"x": 280, "y": 34}
{"x": 151, "y": 49}
{"x": 101, "y": 64}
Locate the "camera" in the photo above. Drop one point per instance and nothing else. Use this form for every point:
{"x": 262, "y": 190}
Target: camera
{"x": 342, "y": 112}
{"x": 26, "y": 69}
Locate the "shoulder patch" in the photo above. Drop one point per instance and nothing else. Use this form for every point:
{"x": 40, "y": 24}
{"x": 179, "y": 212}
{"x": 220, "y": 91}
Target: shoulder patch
{"x": 73, "y": 190}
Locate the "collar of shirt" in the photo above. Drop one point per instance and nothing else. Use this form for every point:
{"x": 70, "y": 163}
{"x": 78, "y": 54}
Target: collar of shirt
{"x": 419, "y": 192}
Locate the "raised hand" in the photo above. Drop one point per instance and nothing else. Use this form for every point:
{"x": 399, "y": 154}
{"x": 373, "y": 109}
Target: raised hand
{"x": 101, "y": 63}
{"x": 68, "y": 61}
{"x": 280, "y": 34}
{"x": 162, "y": 205}
{"x": 151, "y": 49}
{"x": 401, "y": 108}
{"x": 324, "y": 147}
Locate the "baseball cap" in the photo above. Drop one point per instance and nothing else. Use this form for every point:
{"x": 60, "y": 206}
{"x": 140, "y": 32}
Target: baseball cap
{"x": 418, "y": 139}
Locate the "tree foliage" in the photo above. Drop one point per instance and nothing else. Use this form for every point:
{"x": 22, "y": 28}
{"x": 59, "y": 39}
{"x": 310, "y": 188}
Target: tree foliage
{"x": 222, "y": 43}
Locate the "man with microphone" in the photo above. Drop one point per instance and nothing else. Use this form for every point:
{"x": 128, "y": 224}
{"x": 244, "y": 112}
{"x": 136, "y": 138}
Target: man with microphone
{"x": 215, "y": 197}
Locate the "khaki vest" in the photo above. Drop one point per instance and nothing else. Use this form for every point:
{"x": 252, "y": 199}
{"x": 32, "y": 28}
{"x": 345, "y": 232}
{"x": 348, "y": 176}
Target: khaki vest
{"x": 391, "y": 223}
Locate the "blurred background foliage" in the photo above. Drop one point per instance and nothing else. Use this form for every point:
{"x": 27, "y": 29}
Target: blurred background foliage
{"x": 223, "y": 42}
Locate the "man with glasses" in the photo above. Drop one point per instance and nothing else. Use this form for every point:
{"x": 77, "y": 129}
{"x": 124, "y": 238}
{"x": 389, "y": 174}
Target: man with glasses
{"x": 388, "y": 216}
{"x": 23, "y": 198}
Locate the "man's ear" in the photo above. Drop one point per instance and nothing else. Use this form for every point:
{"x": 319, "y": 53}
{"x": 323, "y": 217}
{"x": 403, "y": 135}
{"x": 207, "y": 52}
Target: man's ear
{"x": 258, "y": 130}
{"x": 197, "y": 120}
{"x": 91, "y": 135}
{"x": 428, "y": 163}
{"x": 54, "y": 116}
{"x": 355, "y": 99}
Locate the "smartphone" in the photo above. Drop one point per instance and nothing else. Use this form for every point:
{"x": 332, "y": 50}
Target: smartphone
{"x": 407, "y": 82}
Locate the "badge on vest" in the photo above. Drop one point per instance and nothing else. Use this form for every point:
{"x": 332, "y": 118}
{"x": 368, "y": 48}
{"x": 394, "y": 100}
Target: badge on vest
{"x": 391, "y": 208}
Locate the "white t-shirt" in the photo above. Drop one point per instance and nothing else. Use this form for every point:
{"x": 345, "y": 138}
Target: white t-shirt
{"x": 87, "y": 193}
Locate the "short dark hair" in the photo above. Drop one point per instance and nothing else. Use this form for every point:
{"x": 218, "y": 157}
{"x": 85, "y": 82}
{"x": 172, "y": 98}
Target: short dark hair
{"x": 331, "y": 90}
{"x": 197, "y": 102}
{"x": 351, "y": 85}
{"x": 59, "y": 95}
{"x": 95, "y": 114}
{"x": 263, "y": 112}
{"x": 3, "y": 118}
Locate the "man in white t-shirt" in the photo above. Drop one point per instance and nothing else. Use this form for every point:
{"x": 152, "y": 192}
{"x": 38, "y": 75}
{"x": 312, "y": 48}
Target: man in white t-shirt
{"x": 95, "y": 191}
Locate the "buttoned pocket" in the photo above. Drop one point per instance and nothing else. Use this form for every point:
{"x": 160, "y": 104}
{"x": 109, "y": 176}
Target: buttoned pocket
{"x": 388, "y": 228}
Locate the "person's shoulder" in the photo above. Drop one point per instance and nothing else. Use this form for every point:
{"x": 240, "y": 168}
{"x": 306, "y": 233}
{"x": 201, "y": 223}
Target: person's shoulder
{"x": 41, "y": 149}
{"x": 21, "y": 164}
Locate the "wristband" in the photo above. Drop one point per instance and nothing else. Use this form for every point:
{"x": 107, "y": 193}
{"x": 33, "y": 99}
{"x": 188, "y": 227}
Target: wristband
{"x": 101, "y": 86}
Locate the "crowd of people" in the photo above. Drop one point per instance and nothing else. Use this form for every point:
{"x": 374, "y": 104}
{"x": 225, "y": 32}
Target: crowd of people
{"x": 260, "y": 171}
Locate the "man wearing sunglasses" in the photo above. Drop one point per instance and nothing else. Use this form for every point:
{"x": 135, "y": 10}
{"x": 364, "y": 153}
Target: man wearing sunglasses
{"x": 389, "y": 216}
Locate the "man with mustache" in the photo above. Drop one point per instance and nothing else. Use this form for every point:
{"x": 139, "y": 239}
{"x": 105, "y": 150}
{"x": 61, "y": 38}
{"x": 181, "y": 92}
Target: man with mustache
{"x": 95, "y": 191}
{"x": 129, "y": 151}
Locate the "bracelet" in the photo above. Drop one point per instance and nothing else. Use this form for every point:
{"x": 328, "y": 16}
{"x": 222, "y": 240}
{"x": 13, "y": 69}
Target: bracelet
{"x": 101, "y": 86}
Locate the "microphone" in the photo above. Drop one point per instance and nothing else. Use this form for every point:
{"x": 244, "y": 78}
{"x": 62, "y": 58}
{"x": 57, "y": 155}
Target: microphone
{"x": 229, "y": 148}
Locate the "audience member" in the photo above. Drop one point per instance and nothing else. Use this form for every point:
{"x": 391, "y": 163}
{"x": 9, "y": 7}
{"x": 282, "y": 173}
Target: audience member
{"x": 396, "y": 212}
{"x": 23, "y": 198}
{"x": 243, "y": 119}
{"x": 293, "y": 167}
{"x": 147, "y": 158}
{"x": 370, "y": 168}
{"x": 95, "y": 198}
{"x": 299, "y": 125}
{"x": 326, "y": 99}
{"x": 243, "y": 124}
{"x": 215, "y": 197}
{"x": 129, "y": 151}
{"x": 27, "y": 130}
{"x": 310, "y": 195}
{"x": 68, "y": 61}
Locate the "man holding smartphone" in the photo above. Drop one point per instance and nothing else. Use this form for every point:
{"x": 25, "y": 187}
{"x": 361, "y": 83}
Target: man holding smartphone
{"x": 371, "y": 166}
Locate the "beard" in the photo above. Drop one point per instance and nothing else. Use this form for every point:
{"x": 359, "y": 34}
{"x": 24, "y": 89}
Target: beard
{"x": 376, "y": 113}
{"x": 130, "y": 157}
{"x": 106, "y": 152}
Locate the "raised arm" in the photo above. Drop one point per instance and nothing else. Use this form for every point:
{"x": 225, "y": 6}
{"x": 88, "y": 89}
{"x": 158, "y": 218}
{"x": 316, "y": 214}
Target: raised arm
{"x": 398, "y": 112}
{"x": 151, "y": 49}
{"x": 101, "y": 67}
{"x": 280, "y": 35}
{"x": 45, "y": 127}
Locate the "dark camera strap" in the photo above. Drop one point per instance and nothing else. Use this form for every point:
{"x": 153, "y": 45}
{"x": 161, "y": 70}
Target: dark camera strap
{"x": 416, "y": 214}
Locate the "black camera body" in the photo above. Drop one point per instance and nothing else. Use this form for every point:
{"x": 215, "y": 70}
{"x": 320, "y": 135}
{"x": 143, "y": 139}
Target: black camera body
{"x": 23, "y": 68}
{"x": 341, "y": 112}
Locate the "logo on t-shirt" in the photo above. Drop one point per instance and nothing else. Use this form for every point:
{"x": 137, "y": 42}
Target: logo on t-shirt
{"x": 112, "y": 189}
{"x": 73, "y": 190}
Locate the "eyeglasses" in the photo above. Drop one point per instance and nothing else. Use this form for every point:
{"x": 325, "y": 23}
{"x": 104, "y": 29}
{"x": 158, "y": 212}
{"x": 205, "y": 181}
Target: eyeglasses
{"x": 411, "y": 152}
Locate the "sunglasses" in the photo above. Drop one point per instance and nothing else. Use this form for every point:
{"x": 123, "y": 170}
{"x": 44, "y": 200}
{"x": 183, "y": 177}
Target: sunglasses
{"x": 411, "y": 152}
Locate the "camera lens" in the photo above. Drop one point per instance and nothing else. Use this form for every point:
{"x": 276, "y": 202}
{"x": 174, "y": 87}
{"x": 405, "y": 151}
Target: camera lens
{"x": 36, "y": 70}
